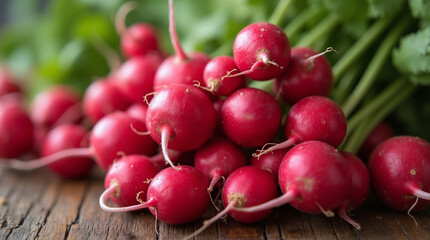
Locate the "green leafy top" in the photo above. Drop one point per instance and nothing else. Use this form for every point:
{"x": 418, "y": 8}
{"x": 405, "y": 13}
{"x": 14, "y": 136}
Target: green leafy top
{"x": 412, "y": 57}
{"x": 381, "y": 8}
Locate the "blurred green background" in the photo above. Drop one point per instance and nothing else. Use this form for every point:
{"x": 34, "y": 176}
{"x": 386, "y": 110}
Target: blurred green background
{"x": 47, "y": 42}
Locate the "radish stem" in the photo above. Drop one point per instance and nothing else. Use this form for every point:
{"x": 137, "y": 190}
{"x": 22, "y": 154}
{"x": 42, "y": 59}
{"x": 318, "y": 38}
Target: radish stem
{"x": 375, "y": 66}
{"x": 360, "y": 47}
{"x": 280, "y": 11}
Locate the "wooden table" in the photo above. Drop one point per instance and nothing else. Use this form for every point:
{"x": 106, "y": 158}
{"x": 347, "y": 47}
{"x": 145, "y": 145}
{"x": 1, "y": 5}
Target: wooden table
{"x": 40, "y": 205}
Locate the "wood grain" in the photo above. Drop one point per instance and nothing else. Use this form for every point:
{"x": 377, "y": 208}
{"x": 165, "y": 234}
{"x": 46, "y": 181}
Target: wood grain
{"x": 40, "y": 205}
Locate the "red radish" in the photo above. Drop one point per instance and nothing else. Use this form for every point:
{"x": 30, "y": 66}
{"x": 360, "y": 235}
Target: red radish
{"x": 138, "y": 111}
{"x": 307, "y": 74}
{"x": 7, "y": 83}
{"x": 135, "y": 78}
{"x": 127, "y": 179}
{"x": 360, "y": 186}
{"x": 270, "y": 161}
{"x": 16, "y": 129}
{"x": 103, "y": 97}
{"x": 245, "y": 187}
{"x": 312, "y": 118}
{"x": 179, "y": 68}
{"x": 180, "y": 117}
{"x": 138, "y": 39}
{"x": 175, "y": 196}
{"x": 67, "y": 136}
{"x": 250, "y": 117}
{"x": 400, "y": 171}
{"x": 214, "y": 76}
{"x": 110, "y": 138}
{"x": 218, "y": 128}
{"x": 381, "y": 132}
{"x": 55, "y": 105}
{"x": 218, "y": 158}
{"x": 313, "y": 177}
{"x": 261, "y": 51}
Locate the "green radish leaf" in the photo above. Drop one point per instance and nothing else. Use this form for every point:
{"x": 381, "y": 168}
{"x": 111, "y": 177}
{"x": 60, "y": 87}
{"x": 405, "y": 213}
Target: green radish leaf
{"x": 412, "y": 57}
{"x": 381, "y": 8}
{"x": 420, "y": 8}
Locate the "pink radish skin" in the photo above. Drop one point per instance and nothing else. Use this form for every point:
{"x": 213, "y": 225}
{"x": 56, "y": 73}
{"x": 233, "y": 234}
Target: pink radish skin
{"x": 129, "y": 177}
{"x": 217, "y": 159}
{"x": 245, "y": 187}
{"x": 381, "y": 132}
{"x": 103, "y": 97}
{"x": 113, "y": 134}
{"x": 67, "y": 136}
{"x": 270, "y": 161}
{"x": 261, "y": 51}
{"x": 314, "y": 178}
{"x": 304, "y": 77}
{"x": 181, "y": 118}
{"x": 179, "y": 68}
{"x": 16, "y": 129}
{"x": 175, "y": 70}
{"x": 250, "y": 117}
{"x": 214, "y": 73}
{"x": 7, "y": 83}
{"x": 360, "y": 186}
{"x": 175, "y": 196}
{"x": 400, "y": 169}
{"x": 138, "y": 39}
{"x": 110, "y": 138}
{"x": 55, "y": 105}
{"x": 138, "y": 111}
{"x": 135, "y": 78}
{"x": 312, "y": 118}
{"x": 249, "y": 186}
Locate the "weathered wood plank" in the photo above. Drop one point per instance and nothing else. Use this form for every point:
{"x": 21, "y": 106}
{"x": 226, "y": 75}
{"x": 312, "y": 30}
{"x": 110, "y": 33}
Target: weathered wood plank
{"x": 235, "y": 230}
{"x": 41, "y": 205}
{"x": 33, "y": 222}
{"x": 295, "y": 224}
{"x": 377, "y": 223}
{"x": 65, "y": 210}
{"x": 413, "y": 231}
{"x": 93, "y": 222}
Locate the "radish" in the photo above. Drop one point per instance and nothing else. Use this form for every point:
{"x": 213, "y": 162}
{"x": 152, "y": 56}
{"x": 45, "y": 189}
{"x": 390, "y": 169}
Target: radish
{"x": 103, "y": 97}
{"x": 110, "y": 138}
{"x": 381, "y": 132}
{"x": 174, "y": 196}
{"x": 214, "y": 76}
{"x": 7, "y": 83}
{"x": 270, "y": 162}
{"x": 360, "y": 186}
{"x": 245, "y": 187}
{"x": 400, "y": 171}
{"x": 127, "y": 179}
{"x": 313, "y": 177}
{"x": 55, "y": 105}
{"x": 67, "y": 136}
{"x": 135, "y": 78}
{"x": 138, "y": 39}
{"x": 179, "y": 68}
{"x": 312, "y": 118}
{"x": 308, "y": 74}
{"x": 16, "y": 128}
{"x": 261, "y": 51}
{"x": 180, "y": 117}
{"x": 250, "y": 117}
{"x": 138, "y": 111}
{"x": 217, "y": 159}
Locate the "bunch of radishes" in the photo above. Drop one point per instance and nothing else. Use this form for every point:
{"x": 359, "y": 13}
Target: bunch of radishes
{"x": 208, "y": 121}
